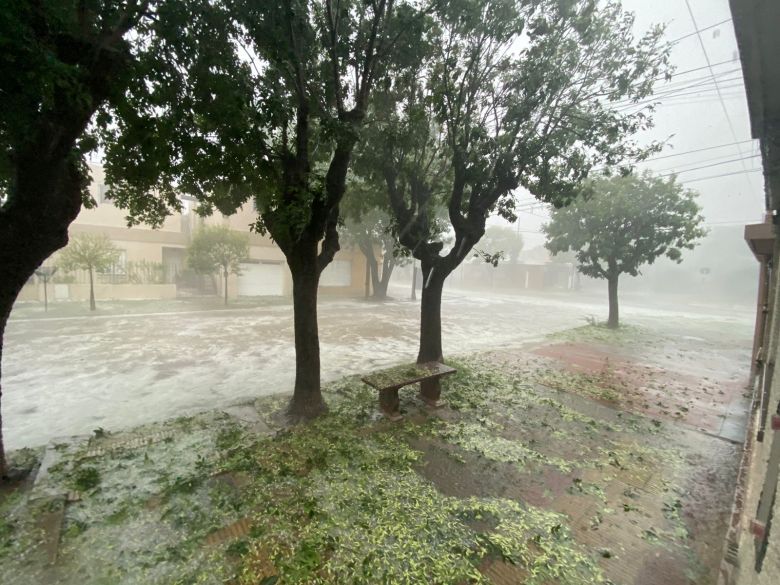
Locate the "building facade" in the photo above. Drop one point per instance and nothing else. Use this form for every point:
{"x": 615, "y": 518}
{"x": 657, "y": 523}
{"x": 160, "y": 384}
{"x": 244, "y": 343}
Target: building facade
{"x": 152, "y": 263}
{"x": 752, "y": 548}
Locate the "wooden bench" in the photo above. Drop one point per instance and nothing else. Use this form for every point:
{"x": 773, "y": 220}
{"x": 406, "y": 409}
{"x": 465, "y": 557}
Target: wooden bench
{"x": 389, "y": 381}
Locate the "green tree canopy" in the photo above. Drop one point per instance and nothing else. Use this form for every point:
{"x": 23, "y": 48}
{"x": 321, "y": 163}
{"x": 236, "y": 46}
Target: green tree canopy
{"x": 89, "y": 252}
{"x": 512, "y": 94}
{"x": 623, "y": 223}
{"x": 218, "y": 249}
{"x": 373, "y": 232}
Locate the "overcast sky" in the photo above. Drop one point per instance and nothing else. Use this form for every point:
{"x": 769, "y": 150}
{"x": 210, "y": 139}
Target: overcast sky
{"x": 694, "y": 117}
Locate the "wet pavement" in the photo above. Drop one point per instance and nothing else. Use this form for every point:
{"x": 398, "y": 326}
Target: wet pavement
{"x": 72, "y": 375}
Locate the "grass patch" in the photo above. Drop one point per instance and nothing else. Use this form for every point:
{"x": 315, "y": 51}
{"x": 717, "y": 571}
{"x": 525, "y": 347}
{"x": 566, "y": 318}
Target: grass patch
{"x": 85, "y": 478}
{"x": 600, "y": 333}
{"x": 335, "y": 505}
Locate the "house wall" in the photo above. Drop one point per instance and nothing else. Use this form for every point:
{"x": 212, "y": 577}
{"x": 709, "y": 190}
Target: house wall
{"x": 142, "y": 243}
{"x": 756, "y": 23}
{"x": 103, "y": 292}
{"x": 741, "y": 550}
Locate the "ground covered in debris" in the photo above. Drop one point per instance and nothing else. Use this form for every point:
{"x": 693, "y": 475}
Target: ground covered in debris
{"x": 552, "y": 463}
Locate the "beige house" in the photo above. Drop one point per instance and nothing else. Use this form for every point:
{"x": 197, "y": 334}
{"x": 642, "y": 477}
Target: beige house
{"x": 152, "y": 262}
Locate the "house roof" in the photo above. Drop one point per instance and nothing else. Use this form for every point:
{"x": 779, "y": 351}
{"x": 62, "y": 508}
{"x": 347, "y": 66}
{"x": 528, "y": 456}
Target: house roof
{"x": 756, "y": 23}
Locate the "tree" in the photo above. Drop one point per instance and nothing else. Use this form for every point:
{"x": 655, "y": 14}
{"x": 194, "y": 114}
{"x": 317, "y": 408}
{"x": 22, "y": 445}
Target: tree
{"x": 218, "y": 248}
{"x": 59, "y": 62}
{"x": 625, "y": 223}
{"x": 530, "y": 95}
{"x": 369, "y": 226}
{"x": 371, "y": 231}
{"x": 501, "y": 242}
{"x": 273, "y": 117}
{"x": 88, "y": 252}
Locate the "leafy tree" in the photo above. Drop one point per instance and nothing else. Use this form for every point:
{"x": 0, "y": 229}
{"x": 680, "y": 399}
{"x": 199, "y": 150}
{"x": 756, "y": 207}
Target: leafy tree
{"x": 625, "y": 223}
{"x": 529, "y": 94}
{"x": 273, "y": 117}
{"x": 88, "y": 252}
{"x": 369, "y": 226}
{"x": 371, "y": 231}
{"x": 218, "y": 248}
{"x": 59, "y": 62}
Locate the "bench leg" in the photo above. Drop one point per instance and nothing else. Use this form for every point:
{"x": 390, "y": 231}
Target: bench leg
{"x": 390, "y": 404}
{"x": 430, "y": 391}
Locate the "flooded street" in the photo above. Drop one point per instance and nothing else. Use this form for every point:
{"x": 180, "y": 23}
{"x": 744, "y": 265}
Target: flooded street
{"x": 73, "y": 375}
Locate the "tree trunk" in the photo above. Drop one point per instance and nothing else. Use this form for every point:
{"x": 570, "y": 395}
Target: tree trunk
{"x": 388, "y": 265}
{"x": 366, "y": 246}
{"x": 612, "y": 286}
{"x": 5, "y": 310}
{"x": 48, "y": 180}
{"x": 92, "y": 306}
{"x": 225, "y": 275}
{"x": 28, "y": 236}
{"x": 368, "y": 280}
{"x": 307, "y": 399}
{"x": 430, "y": 314}
{"x": 414, "y": 280}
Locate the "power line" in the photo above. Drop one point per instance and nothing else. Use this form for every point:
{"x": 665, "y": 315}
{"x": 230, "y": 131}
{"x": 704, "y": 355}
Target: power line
{"x": 696, "y": 90}
{"x": 664, "y": 97}
{"x": 717, "y": 87}
{"x": 700, "y": 80}
{"x": 663, "y": 77}
{"x": 712, "y": 165}
{"x": 745, "y": 171}
{"x": 717, "y": 160}
{"x": 696, "y": 32}
{"x": 530, "y": 204}
{"x": 655, "y": 158}
{"x": 705, "y": 79}
{"x": 695, "y": 150}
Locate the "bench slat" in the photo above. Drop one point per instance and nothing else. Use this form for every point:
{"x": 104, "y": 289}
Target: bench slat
{"x": 400, "y": 376}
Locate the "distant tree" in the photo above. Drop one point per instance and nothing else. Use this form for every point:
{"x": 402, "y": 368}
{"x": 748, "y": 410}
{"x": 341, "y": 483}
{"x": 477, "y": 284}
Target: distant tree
{"x": 218, "y": 249}
{"x": 501, "y": 242}
{"x": 88, "y": 252}
{"x": 372, "y": 231}
{"x": 626, "y": 222}
{"x": 368, "y": 224}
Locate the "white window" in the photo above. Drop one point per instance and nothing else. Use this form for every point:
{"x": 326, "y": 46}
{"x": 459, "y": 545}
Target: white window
{"x": 102, "y": 190}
